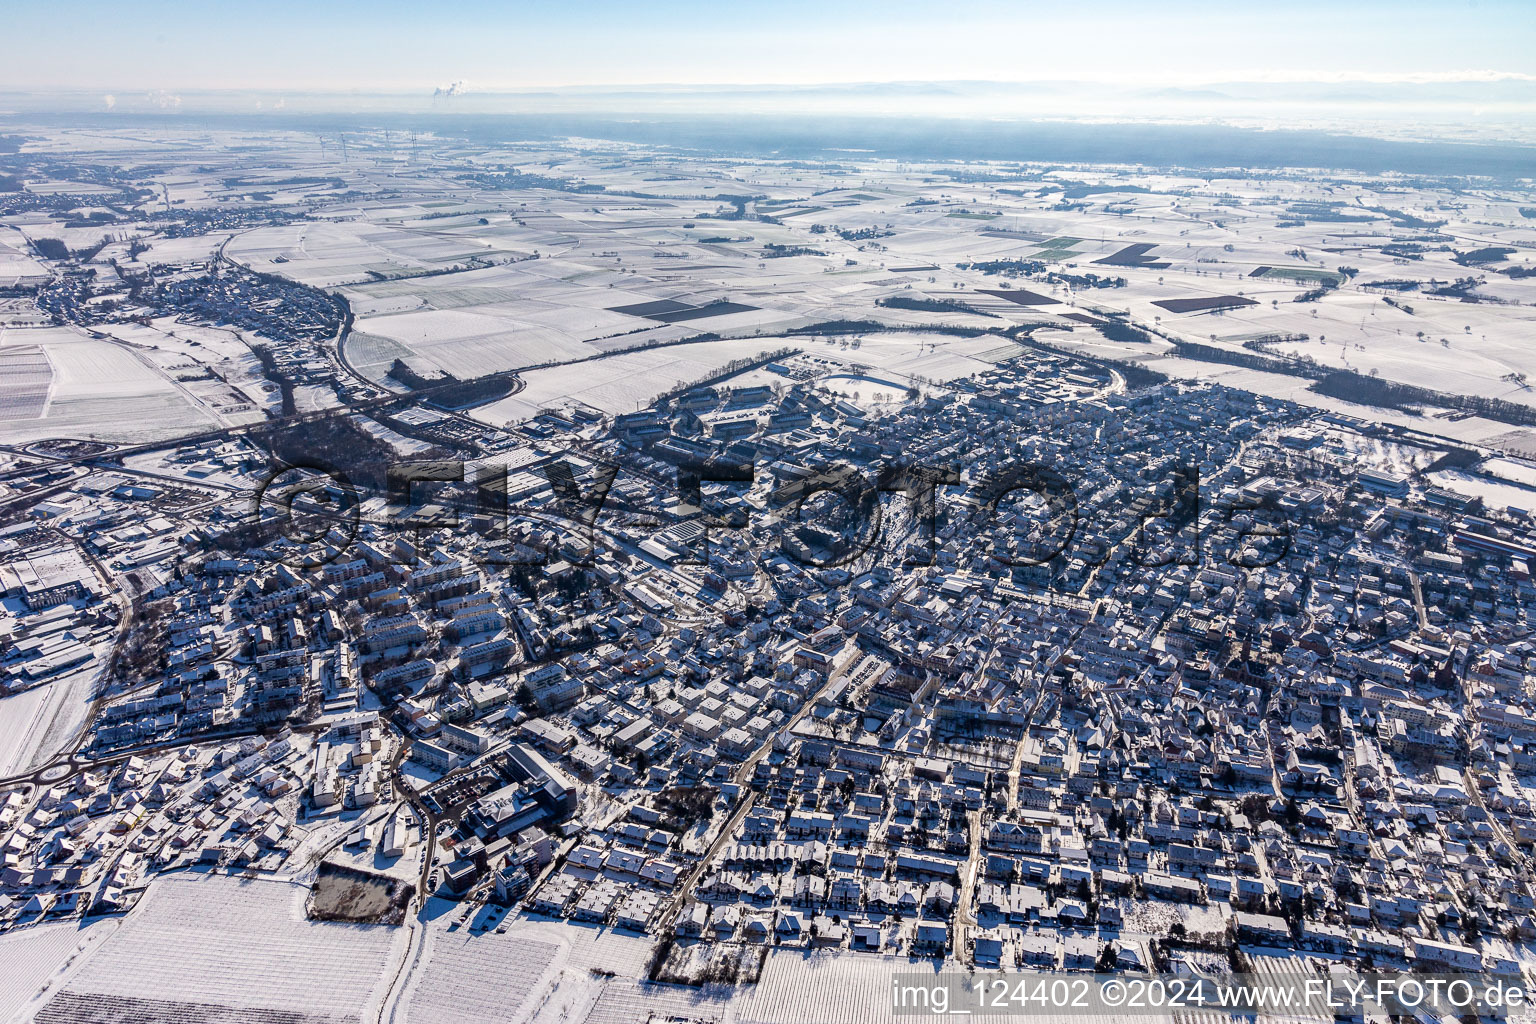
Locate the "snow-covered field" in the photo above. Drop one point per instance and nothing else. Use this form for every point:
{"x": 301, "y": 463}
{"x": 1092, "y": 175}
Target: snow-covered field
{"x": 102, "y": 391}
{"x": 16, "y": 263}
{"x": 326, "y": 254}
{"x": 477, "y": 977}
{"x": 1474, "y": 429}
{"x": 621, "y": 383}
{"x": 216, "y": 948}
{"x": 550, "y": 269}
{"x": 213, "y": 947}
{"x": 177, "y": 348}
{"x": 1495, "y": 493}
{"x": 36, "y": 722}
{"x": 630, "y": 380}
{"x": 537, "y": 970}
{"x": 937, "y": 357}
{"x": 34, "y": 958}
{"x": 1520, "y": 471}
{"x": 26, "y": 377}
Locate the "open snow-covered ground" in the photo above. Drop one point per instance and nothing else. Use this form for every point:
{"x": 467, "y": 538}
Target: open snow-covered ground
{"x": 202, "y": 947}
{"x": 35, "y": 959}
{"x": 102, "y": 391}
{"x": 630, "y": 380}
{"x": 16, "y": 263}
{"x": 466, "y": 279}
{"x": 472, "y": 978}
{"x": 1494, "y": 493}
{"x": 35, "y": 723}
{"x": 23, "y": 720}
{"x": 1158, "y": 356}
{"x": 463, "y": 976}
{"x": 621, "y": 383}
{"x": 562, "y": 973}
{"x": 215, "y": 948}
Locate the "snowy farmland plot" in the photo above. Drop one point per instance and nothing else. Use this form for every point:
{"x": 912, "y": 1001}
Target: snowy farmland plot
{"x": 100, "y": 391}
{"x": 36, "y": 958}
{"x": 477, "y": 977}
{"x": 26, "y": 376}
{"x": 36, "y": 722}
{"x": 16, "y": 262}
{"x": 623, "y": 382}
{"x": 327, "y": 254}
{"x": 212, "y": 947}
{"x": 534, "y": 970}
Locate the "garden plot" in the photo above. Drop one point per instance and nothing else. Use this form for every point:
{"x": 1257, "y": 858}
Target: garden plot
{"x": 216, "y": 948}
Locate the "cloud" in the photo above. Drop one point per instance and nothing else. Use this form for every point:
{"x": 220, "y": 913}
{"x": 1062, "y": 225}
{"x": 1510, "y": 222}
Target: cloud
{"x": 1394, "y": 77}
{"x": 458, "y": 88}
{"x": 109, "y": 100}
{"x": 164, "y": 100}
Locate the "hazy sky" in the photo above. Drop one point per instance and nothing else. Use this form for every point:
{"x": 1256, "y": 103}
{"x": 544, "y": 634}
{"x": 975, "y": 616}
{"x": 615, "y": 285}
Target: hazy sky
{"x": 409, "y": 47}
